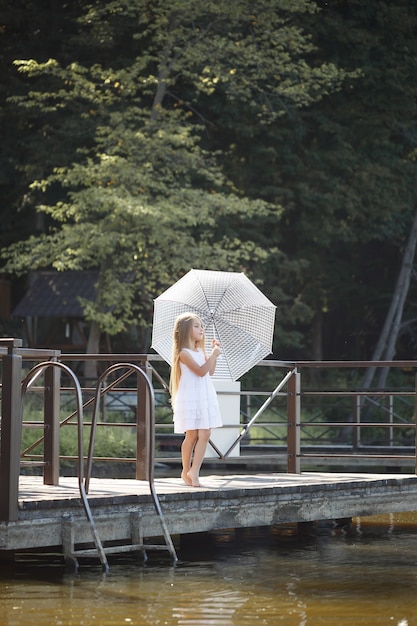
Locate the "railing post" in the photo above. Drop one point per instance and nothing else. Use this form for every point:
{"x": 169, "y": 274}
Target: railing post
{"x": 357, "y": 430}
{"x": 11, "y": 431}
{"x": 51, "y": 421}
{"x": 142, "y": 412}
{"x": 415, "y": 419}
{"x": 294, "y": 422}
{"x": 390, "y": 401}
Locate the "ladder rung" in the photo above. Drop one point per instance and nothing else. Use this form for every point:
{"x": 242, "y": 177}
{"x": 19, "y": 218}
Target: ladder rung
{"x": 119, "y": 549}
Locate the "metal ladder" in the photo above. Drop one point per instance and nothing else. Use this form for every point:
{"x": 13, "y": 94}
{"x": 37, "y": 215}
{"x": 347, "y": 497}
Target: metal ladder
{"x": 136, "y": 532}
{"x": 34, "y": 373}
{"x": 68, "y": 522}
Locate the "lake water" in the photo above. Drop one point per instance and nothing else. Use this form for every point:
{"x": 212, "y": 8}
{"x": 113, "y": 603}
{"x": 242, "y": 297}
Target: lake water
{"x": 354, "y": 575}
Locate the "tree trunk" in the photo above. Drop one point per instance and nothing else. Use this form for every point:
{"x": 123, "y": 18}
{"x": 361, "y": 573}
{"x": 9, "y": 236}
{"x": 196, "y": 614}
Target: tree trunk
{"x": 317, "y": 345}
{"x": 93, "y": 347}
{"x": 385, "y": 348}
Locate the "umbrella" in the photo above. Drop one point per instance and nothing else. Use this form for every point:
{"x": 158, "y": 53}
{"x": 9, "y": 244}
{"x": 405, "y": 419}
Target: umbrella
{"x": 232, "y": 309}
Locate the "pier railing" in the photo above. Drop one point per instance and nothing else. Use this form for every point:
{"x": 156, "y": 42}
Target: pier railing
{"x": 296, "y": 411}
{"x": 318, "y": 414}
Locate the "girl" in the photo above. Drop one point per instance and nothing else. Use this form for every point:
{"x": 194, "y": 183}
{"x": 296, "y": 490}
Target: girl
{"x": 194, "y": 399}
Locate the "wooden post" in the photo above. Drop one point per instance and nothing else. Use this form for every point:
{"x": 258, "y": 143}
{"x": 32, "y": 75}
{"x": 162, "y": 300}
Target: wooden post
{"x": 142, "y": 446}
{"x": 294, "y": 420}
{"x": 357, "y": 430}
{"x": 51, "y": 421}
{"x": 415, "y": 421}
{"x": 11, "y": 431}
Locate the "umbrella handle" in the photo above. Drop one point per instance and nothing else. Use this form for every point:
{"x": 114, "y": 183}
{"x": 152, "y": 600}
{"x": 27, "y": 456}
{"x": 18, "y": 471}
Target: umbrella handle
{"x": 215, "y": 341}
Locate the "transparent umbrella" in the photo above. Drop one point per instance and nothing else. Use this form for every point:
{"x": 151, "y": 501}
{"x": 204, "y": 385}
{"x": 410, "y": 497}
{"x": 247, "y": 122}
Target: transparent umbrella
{"x": 233, "y": 310}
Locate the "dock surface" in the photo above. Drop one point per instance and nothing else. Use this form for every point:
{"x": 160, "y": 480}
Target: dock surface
{"x": 223, "y": 502}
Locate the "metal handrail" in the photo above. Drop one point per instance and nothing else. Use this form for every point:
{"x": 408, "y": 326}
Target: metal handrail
{"x": 27, "y": 381}
{"x": 264, "y": 406}
{"x": 149, "y": 430}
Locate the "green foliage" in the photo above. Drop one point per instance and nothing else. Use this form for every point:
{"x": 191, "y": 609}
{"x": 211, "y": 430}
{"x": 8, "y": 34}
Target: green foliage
{"x": 276, "y": 137}
{"x": 111, "y": 441}
{"x": 343, "y": 172}
{"x": 141, "y": 197}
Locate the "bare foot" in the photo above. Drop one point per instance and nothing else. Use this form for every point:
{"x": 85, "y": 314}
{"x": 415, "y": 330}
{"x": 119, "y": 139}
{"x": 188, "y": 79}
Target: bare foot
{"x": 186, "y": 479}
{"x": 194, "y": 480}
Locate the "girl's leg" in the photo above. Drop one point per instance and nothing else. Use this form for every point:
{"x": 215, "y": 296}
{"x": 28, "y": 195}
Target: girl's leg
{"x": 203, "y": 435}
{"x": 187, "y": 448}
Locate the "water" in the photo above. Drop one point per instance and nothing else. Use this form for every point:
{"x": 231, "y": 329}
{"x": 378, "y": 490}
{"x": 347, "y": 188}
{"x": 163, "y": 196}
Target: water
{"x": 365, "y": 574}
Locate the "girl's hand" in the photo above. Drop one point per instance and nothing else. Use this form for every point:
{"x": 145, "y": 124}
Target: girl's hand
{"x": 215, "y": 347}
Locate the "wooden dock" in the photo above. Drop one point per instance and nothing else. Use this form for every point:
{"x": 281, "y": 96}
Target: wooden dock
{"x": 52, "y": 512}
{"x": 123, "y": 509}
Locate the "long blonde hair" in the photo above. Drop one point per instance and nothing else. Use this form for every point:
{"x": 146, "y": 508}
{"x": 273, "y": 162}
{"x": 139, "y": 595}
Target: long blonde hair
{"x": 182, "y": 339}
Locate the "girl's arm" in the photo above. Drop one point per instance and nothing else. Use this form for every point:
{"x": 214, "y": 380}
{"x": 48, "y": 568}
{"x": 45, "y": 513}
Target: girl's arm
{"x": 201, "y": 370}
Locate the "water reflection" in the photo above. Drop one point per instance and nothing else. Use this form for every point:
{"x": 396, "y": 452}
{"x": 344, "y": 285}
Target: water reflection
{"x": 362, "y": 575}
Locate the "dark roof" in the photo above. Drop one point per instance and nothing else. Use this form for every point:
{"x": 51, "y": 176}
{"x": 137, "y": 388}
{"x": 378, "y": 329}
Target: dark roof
{"x": 55, "y": 294}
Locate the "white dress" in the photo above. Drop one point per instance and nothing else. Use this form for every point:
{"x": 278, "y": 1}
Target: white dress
{"x": 196, "y": 404}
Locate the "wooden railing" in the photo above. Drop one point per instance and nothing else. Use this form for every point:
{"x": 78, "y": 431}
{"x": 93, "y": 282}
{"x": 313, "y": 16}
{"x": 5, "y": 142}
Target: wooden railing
{"x": 15, "y": 382}
{"x": 290, "y": 392}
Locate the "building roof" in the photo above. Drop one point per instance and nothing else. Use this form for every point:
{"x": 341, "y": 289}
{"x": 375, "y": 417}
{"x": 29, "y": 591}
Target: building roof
{"x": 56, "y": 294}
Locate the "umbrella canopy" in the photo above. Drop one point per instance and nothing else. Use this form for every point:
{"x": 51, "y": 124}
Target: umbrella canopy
{"x": 232, "y": 309}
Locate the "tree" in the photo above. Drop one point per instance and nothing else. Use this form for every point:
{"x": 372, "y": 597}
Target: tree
{"x": 385, "y": 347}
{"x": 342, "y": 170}
{"x": 36, "y": 29}
{"x": 146, "y": 195}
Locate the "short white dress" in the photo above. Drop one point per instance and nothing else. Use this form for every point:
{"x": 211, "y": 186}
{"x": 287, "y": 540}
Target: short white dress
{"x": 196, "y": 404}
